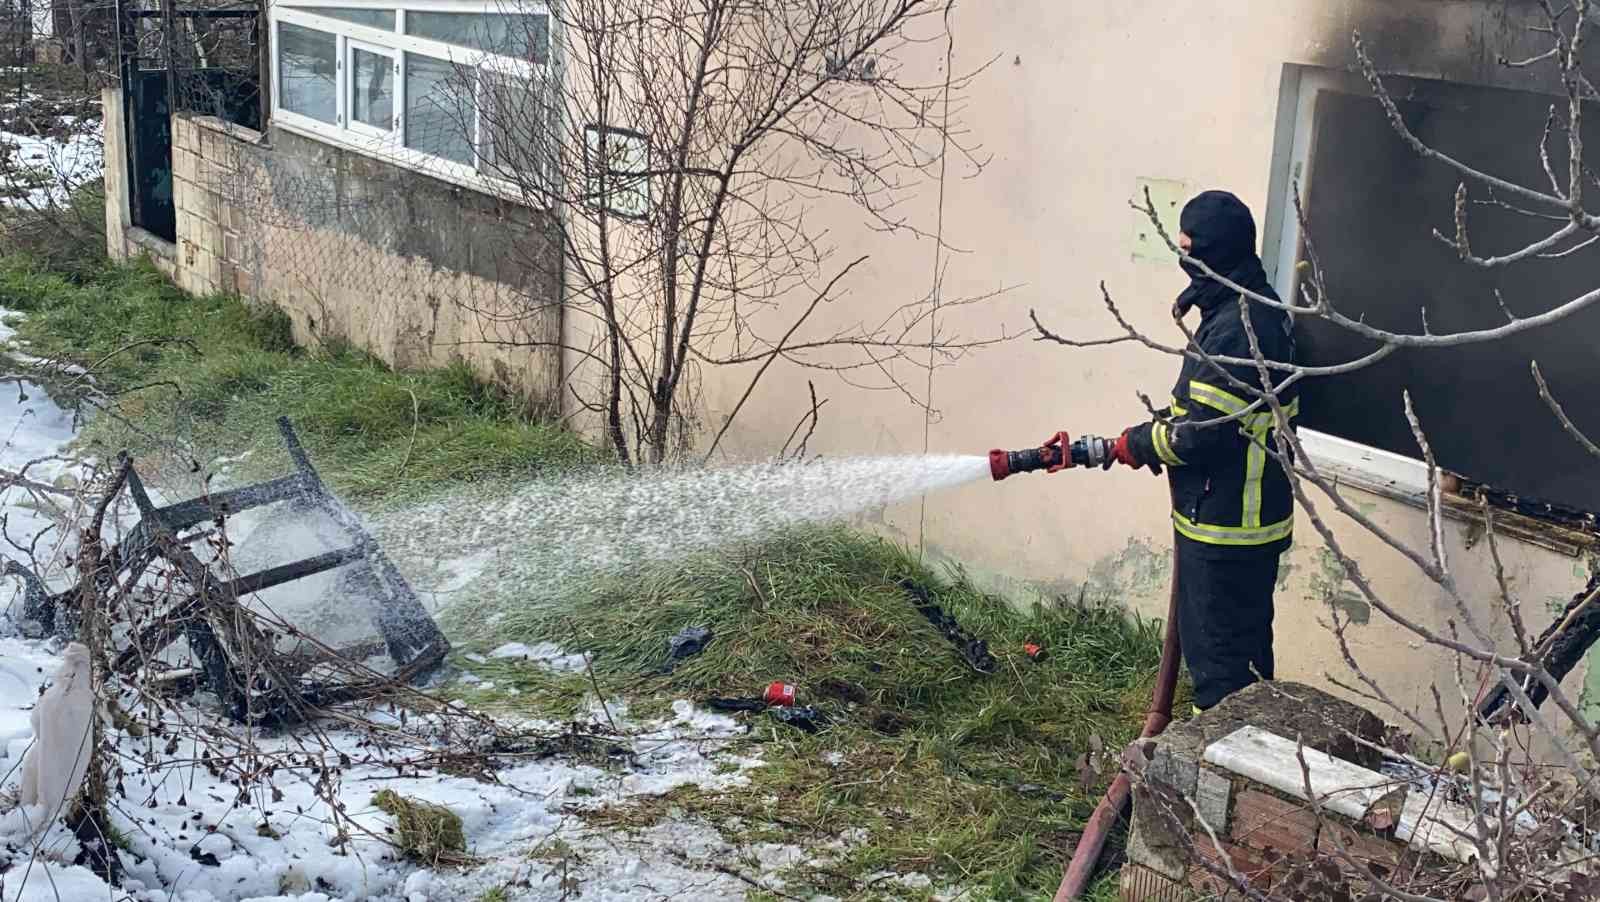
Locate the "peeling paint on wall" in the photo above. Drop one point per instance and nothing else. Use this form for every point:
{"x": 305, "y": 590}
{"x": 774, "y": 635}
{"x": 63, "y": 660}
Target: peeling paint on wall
{"x": 1331, "y": 585}
{"x": 1138, "y": 570}
{"x": 1285, "y": 569}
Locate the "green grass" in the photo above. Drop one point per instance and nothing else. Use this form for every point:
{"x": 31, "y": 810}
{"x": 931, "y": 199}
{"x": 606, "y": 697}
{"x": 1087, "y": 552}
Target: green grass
{"x": 211, "y": 375}
{"x": 971, "y": 779}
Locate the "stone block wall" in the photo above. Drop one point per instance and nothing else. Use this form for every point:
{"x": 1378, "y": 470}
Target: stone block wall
{"x": 416, "y": 271}
{"x": 203, "y": 217}
{"x": 1232, "y": 782}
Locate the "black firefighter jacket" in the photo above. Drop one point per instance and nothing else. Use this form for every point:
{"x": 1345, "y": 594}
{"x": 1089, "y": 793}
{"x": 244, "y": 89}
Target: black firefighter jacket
{"x": 1228, "y": 488}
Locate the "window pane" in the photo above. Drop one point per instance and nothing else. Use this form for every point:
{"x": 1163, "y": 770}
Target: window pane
{"x": 522, "y": 36}
{"x": 308, "y": 65}
{"x": 439, "y": 109}
{"x": 372, "y": 89}
{"x": 514, "y": 132}
{"x": 373, "y": 18}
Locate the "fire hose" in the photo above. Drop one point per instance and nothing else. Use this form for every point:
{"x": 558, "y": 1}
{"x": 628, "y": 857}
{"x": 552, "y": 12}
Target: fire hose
{"x": 1062, "y": 453}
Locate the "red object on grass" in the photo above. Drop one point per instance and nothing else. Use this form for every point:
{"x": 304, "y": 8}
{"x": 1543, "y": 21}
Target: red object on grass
{"x": 779, "y": 695}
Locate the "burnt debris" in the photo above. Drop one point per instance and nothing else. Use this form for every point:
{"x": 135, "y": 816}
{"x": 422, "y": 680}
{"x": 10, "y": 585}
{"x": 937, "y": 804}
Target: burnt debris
{"x": 973, "y": 650}
{"x": 235, "y": 649}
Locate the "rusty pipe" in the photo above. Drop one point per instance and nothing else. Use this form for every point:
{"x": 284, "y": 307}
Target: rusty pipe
{"x": 1115, "y": 803}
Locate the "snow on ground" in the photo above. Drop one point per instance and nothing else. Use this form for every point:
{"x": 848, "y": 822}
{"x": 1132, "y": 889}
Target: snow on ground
{"x": 49, "y": 167}
{"x": 50, "y": 146}
{"x": 192, "y": 838}
{"x": 545, "y": 654}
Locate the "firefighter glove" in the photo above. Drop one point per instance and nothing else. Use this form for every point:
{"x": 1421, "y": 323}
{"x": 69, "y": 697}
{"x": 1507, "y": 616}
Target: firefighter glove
{"x": 1124, "y": 453}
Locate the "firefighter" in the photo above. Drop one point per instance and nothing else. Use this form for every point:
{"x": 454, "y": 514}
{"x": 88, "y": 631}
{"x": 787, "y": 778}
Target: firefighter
{"x": 1232, "y": 508}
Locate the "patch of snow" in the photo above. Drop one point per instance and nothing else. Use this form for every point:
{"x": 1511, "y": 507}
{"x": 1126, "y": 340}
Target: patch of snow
{"x": 61, "y": 164}
{"x": 545, "y": 654}
{"x": 192, "y": 838}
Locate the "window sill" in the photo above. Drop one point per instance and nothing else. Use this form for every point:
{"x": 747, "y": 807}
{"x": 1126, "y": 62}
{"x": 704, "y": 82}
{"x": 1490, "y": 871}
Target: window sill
{"x": 1405, "y": 480}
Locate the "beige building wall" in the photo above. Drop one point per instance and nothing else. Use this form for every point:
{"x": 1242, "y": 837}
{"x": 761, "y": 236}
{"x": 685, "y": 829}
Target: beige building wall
{"x": 1081, "y": 106}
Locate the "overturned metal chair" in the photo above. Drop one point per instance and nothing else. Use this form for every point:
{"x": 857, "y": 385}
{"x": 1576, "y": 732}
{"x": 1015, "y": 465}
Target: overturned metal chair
{"x": 236, "y": 656}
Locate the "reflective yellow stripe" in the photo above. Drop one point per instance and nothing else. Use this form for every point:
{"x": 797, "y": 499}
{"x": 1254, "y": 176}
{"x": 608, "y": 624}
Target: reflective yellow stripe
{"x": 1232, "y": 535}
{"x": 1161, "y": 438}
{"x": 1256, "y": 428}
{"x": 1178, "y": 409}
{"x": 1211, "y": 396}
{"x": 1255, "y": 467}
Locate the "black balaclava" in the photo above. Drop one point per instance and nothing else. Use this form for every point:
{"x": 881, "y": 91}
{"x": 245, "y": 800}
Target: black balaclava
{"x": 1224, "y": 236}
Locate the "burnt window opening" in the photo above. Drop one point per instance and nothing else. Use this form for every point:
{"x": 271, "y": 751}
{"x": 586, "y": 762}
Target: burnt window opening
{"x": 1373, "y": 205}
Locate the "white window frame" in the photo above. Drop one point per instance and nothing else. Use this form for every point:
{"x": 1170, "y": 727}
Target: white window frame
{"x": 390, "y": 146}
{"x": 277, "y": 79}
{"x": 1384, "y": 472}
{"x": 397, "y": 89}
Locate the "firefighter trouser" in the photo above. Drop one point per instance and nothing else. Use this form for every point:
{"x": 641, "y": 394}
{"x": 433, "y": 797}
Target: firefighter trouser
{"x": 1225, "y": 615}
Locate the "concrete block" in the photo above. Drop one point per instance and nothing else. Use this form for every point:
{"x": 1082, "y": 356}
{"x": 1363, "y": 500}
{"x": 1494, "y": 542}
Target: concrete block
{"x": 210, "y": 207}
{"x": 205, "y": 172}
{"x": 1273, "y": 761}
{"x": 1161, "y": 816}
{"x": 1177, "y": 770}
{"x": 1212, "y": 794}
{"x": 184, "y": 162}
{"x": 1268, "y": 822}
{"x": 184, "y": 135}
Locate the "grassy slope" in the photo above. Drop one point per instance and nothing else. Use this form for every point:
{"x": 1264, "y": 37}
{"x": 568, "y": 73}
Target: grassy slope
{"x": 970, "y": 778}
{"x": 213, "y": 374}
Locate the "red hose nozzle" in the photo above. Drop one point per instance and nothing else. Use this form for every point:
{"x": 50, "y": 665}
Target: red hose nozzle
{"x": 1051, "y": 457}
{"x": 999, "y": 465}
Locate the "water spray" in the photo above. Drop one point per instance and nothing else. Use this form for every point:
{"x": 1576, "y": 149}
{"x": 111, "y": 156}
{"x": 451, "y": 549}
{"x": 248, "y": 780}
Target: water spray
{"x": 1061, "y": 452}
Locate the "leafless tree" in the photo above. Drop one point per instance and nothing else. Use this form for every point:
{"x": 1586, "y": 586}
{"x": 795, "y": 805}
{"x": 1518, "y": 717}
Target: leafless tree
{"x": 688, "y": 149}
{"x": 50, "y": 148}
{"x": 1524, "y": 761}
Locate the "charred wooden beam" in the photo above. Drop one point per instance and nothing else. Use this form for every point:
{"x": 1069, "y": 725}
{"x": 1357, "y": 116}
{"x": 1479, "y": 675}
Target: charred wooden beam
{"x": 1560, "y": 648}
{"x": 284, "y": 573}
